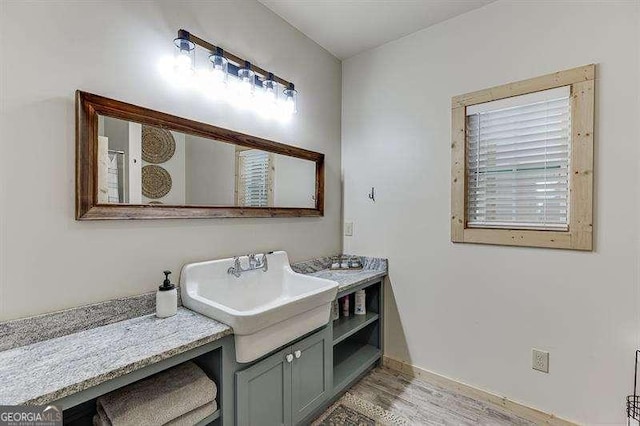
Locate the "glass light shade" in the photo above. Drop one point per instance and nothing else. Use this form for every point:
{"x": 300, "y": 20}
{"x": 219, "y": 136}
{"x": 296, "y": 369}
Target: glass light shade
{"x": 270, "y": 88}
{"x": 219, "y": 68}
{"x": 184, "y": 58}
{"x": 246, "y": 81}
{"x": 290, "y": 105}
{"x": 267, "y": 98}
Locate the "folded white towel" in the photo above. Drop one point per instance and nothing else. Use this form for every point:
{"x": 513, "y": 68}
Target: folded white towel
{"x": 159, "y": 399}
{"x": 191, "y": 418}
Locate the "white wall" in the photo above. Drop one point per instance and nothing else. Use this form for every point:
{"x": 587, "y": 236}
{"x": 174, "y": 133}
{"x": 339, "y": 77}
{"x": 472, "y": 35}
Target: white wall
{"x": 473, "y": 312}
{"x": 211, "y": 172}
{"x": 294, "y": 183}
{"x": 48, "y": 260}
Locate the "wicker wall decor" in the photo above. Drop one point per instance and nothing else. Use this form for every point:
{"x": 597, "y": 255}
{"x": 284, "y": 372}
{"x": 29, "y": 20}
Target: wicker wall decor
{"x": 156, "y": 181}
{"x": 158, "y": 145}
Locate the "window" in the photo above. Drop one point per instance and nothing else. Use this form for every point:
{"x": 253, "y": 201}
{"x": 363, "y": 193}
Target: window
{"x": 522, "y": 162}
{"x": 518, "y": 162}
{"x": 254, "y": 178}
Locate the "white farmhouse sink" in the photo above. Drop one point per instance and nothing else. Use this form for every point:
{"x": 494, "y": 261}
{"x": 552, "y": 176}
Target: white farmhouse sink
{"x": 265, "y": 309}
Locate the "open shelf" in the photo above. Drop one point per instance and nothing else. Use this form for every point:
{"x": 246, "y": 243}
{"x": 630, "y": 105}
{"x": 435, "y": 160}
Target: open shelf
{"x": 357, "y": 339}
{"x": 346, "y": 326}
{"x": 210, "y": 419}
{"x": 350, "y": 359}
{"x": 207, "y": 357}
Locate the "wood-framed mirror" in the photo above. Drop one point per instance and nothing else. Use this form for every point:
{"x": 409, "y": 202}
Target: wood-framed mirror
{"x": 137, "y": 163}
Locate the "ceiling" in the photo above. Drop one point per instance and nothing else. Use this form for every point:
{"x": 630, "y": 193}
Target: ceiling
{"x": 348, "y": 27}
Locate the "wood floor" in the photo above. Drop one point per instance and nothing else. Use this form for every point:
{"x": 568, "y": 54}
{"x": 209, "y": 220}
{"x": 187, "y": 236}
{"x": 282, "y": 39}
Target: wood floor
{"x": 423, "y": 403}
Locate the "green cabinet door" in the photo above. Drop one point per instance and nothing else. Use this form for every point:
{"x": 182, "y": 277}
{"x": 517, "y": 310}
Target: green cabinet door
{"x": 264, "y": 392}
{"x": 311, "y": 373}
{"x": 286, "y": 387}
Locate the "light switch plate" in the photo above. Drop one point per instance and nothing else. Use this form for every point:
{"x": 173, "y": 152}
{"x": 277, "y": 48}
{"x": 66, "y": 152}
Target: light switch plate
{"x": 348, "y": 229}
{"x": 540, "y": 360}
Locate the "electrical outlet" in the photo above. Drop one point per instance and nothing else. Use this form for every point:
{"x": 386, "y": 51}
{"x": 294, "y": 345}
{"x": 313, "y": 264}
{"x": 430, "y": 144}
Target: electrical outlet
{"x": 540, "y": 360}
{"x": 348, "y": 229}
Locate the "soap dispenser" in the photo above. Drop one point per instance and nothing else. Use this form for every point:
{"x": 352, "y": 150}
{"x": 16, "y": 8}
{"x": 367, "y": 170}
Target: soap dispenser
{"x": 166, "y": 298}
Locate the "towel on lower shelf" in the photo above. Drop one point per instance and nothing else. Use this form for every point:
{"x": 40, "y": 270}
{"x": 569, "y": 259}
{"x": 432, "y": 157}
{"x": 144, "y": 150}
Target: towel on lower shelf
{"x": 160, "y": 399}
{"x": 189, "y": 419}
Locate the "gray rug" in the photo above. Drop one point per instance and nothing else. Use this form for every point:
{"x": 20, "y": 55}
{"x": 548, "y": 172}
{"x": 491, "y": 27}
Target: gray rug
{"x": 351, "y": 410}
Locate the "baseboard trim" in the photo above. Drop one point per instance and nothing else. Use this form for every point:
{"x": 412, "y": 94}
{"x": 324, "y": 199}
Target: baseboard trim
{"x": 521, "y": 410}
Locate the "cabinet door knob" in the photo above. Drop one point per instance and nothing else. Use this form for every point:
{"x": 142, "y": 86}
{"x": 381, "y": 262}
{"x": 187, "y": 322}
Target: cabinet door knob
{"x": 289, "y": 358}
{"x": 297, "y": 354}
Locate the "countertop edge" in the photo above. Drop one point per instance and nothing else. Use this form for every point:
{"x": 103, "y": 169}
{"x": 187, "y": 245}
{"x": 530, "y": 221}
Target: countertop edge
{"x": 375, "y": 277}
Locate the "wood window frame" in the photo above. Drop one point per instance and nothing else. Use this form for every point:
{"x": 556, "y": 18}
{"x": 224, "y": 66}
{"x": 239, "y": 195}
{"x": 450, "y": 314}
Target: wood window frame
{"x": 579, "y": 236}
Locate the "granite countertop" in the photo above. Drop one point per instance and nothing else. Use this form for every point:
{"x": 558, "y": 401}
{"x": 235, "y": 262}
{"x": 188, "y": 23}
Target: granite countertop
{"x": 55, "y": 368}
{"x": 373, "y": 268}
{"x": 350, "y": 279}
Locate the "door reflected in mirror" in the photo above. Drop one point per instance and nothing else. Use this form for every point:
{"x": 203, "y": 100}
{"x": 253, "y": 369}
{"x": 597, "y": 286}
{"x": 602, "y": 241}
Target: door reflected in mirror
{"x": 141, "y": 164}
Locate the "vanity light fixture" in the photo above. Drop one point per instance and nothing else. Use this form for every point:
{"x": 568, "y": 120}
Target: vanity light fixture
{"x": 233, "y": 78}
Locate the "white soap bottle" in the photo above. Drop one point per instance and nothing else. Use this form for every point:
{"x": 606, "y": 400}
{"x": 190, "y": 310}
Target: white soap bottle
{"x": 361, "y": 303}
{"x": 166, "y": 298}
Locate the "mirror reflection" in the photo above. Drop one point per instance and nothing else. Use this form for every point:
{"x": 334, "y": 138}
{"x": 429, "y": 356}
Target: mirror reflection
{"x": 140, "y": 164}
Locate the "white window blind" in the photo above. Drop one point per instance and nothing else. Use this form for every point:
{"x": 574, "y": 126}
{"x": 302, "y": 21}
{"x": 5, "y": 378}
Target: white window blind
{"x": 254, "y": 178}
{"x": 518, "y": 152}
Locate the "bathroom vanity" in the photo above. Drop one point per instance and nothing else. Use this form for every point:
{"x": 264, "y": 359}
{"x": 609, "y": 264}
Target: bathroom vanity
{"x": 290, "y": 385}
{"x": 296, "y": 383}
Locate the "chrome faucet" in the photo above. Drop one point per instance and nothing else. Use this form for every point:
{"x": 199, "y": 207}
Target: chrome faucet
{"x": 236, "y": 269}
{"x": 254, "y": 264}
